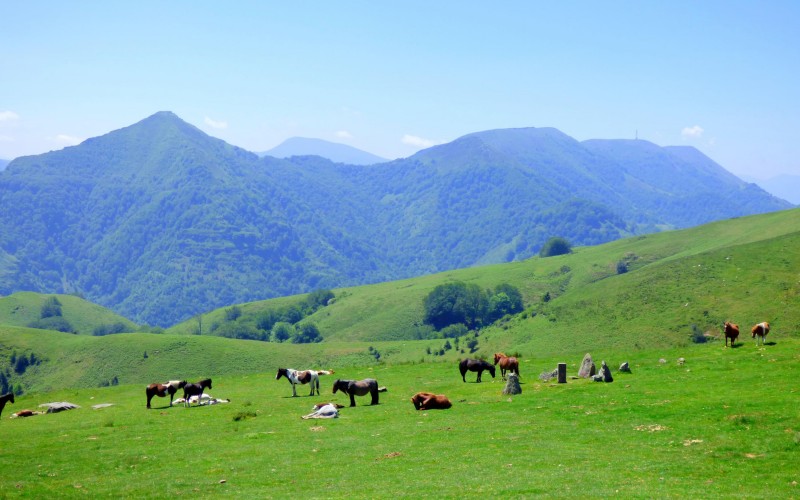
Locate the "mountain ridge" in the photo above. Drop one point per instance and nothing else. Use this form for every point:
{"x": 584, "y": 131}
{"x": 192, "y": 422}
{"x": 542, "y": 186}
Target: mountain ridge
{"x": 333, "y": 151}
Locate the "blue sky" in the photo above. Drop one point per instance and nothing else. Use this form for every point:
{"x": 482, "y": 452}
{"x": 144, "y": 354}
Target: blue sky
{"x": 394, "y": 77}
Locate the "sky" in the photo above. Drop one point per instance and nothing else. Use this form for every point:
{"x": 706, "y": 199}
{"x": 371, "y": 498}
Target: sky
{"x": 392, "y": 78}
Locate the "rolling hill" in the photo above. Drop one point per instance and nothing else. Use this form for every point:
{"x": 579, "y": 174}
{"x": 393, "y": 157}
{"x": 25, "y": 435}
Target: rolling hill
{"x": 160, "y": 222}
{"x": 335, "y": 152}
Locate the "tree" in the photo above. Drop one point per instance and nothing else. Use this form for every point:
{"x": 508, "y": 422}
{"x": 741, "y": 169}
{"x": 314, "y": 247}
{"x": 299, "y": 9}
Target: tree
{"x": 454, "y": 303}
{"x": 555, "y": 246}
{"x": 308, "y": 333}
{"x": 282, "y": 331}
{"x": 51, "y": 307}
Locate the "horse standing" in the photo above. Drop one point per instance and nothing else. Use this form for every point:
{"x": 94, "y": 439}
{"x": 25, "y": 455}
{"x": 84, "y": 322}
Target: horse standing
{"x": 302, "y": 377}
{"x": 190, "y": 390}
{"x": 475, "y": 365}
{"x": 731, "y": 332}
{"x": 161, "y": 390}
{"x": 358, "y": 388}
{"x": 506, "y": 364}
{"x": 6, "y": 398}
{"x": 430, "y": 401}
{"x": 760, "y": 331}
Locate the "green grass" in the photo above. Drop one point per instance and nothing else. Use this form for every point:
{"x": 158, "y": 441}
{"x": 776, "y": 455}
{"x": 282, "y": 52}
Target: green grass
{"x": 724, "y": 424}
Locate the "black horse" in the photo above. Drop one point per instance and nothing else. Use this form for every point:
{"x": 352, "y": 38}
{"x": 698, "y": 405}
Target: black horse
{"x": 475, "y": 365}
{"x": 190, "y": 390}
{"x": 358, "y": 388}
{"x": 5, "y": 398}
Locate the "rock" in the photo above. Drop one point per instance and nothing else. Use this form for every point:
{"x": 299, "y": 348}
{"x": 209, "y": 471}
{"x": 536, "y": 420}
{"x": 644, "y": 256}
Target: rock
{"x": 662, "y": 361}
{"x": 604, "y": 375}
{"x": 587, "y": 367}
{"x": 681, "y": 361}
{"x": 624, "y": 367}
{"x": 548, "y": 376}
{"x": 512, "y": 384}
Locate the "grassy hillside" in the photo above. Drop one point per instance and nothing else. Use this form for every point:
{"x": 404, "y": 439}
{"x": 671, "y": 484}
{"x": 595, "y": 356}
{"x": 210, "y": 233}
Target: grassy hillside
{"x": 23, "y": 308}
{"x": 724, "y": 424}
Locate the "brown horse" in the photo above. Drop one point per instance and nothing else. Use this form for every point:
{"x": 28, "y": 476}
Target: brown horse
{"x": 760, "y": 331}
{"x": 731, "y": 332}
{"x": 507, "y": 364}
{"x": 190, "y": 390}
{"x": 358, "y": 388}
{"x": 6, "y": 398}
{"x": 429, "y": 401}
{"x": 161, "y": 390}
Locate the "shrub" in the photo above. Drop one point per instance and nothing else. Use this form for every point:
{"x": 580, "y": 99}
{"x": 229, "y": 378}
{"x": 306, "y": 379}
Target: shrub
{"x": 555, "y": 246}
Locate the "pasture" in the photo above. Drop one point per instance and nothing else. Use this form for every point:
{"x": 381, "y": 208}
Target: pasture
{"x": 723, "y": 424}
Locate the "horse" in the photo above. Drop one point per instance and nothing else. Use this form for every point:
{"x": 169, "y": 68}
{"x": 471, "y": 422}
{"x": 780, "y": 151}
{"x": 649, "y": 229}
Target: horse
{"x": 5, "y": 398}
{"x": 429, "y": 401}
{"x": 190, "y": 390}
{"x": 357, "y": 388}
{"x": 475, "y": 365}
{"x": 760, "y": 330}
{"x": 161, "y": 390}
{"x": 731, "y": 332}
{"x": 302, "y": 377}
{"x": 324, "y": 410}
{"x": 506, "y": 364}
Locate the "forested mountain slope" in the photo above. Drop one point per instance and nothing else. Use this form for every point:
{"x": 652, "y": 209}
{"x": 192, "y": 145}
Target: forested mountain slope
{"x": 159, "y": 221}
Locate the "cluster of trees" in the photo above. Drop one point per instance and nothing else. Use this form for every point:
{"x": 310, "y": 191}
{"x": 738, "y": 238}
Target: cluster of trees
{"x": 471, "y": 344}
{"x": 51, "y": 318}
{"x": 455, "y": 308}
{"x": 275, "y": 325}
{"x": 18, "y": 364}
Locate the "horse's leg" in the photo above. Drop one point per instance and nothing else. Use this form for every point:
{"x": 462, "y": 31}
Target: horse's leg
{"x": 149, "y": 397}
{"x": 478, "y": 380}
{"x": 374, "y": 391}
{"x": 352, "y": 399}
{"x": 294, "y": 390}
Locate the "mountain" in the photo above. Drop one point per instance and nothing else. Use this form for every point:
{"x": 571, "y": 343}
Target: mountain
{"x": 3, "y": 164}
{"x": 335, "y": 152}
{"x": 159, "y": 222}
{"x": 783, "y": 186}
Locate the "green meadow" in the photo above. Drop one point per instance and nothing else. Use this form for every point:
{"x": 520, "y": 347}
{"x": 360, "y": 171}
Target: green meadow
{"x": 724, "y": 423}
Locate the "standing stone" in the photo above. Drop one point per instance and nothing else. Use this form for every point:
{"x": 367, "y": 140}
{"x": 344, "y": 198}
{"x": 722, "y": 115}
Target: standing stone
{"x": 587, "y": 367}
{"x": 512, "y": 384}
{"x": 562, "y": 373}
{"x": 604, "y": 375}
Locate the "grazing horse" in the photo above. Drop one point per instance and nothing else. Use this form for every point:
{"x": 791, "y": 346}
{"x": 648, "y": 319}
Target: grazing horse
{"x": 731, "y": 332}
{"x": 358, "y": 388}
{"x": 302, "y": 377}
{"x": 760, "y": 331}
{"x": 161, "y": 390}
{"x": 475, "y": 365}
{"x": 5, "y": 398}
{"x": 190, "y": 390}
{"x": 506, "y": 364}
{"x": 429, "y": 401}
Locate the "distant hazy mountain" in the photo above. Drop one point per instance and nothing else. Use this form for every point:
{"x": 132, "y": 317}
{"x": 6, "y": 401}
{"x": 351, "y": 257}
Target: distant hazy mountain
{"x": 335, "y": 152}
{"x": 158, "y": 221}
{"x": 783, "y": 186}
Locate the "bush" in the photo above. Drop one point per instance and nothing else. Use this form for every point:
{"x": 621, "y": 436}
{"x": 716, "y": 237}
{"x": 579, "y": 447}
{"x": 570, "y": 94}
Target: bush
{"x": 57, "y": 323}
{"x": 308, "y": 333}
{"x": 282, "y": 331}
{"x": 51, "y": 308}
{"x": 555, "y": 246}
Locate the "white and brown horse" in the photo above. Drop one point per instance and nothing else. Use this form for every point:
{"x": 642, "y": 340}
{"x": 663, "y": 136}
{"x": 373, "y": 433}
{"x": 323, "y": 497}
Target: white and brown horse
{"x": 731, "y": 332}
{"x": 302, "y": 377}
{"x": 161, "y": 390}
{"x": 760, "y": 331}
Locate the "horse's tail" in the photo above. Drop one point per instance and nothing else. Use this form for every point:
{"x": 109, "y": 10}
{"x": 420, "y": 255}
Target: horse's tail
{"x": 325, "y": 372}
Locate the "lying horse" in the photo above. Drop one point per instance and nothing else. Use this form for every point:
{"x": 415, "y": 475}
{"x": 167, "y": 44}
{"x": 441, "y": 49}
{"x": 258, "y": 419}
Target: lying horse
{"x": 302, "y": 377}
{"x": 358, "y": 388}
{"x": 429, "y": 401}
{"x": 475, "y": 365}
{"x": 731, "y": 332}
{"x": 190, "y": 390}
{"x": 506, "y": 364}
{"x": 760, "y": 331}
{"x": 161, "y": 390}
{"x": 324, "y": 410}
{"x": 5, "y": 398}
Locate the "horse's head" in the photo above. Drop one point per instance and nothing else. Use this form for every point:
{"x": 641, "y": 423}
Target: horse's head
{"x": 336, "y": 385}
{"x": 498, "y": 356}
{"x": 492, "y": 370}
{"x": 182, "y": 384}
{"x": 206, "y": 382}
{"x": 281, "y": 373}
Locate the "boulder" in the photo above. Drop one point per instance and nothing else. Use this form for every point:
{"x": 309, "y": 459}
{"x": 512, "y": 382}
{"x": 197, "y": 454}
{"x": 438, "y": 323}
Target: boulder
{"x": 604, "y": 375}
{"x": 587, "y": 367}
{"x": 512, "y": 384}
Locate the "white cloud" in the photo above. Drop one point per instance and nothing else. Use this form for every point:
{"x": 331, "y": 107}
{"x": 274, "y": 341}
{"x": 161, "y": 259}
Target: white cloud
{"x": 413, "y": 140}
{"x": 68, "y": 140}
{"x": 5, "y": 138}
{"x": 215, "y": 124}
{"x": 692, "y": 132}
{"x": 344, "y": 134}
{"x": 8, "y": 116}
